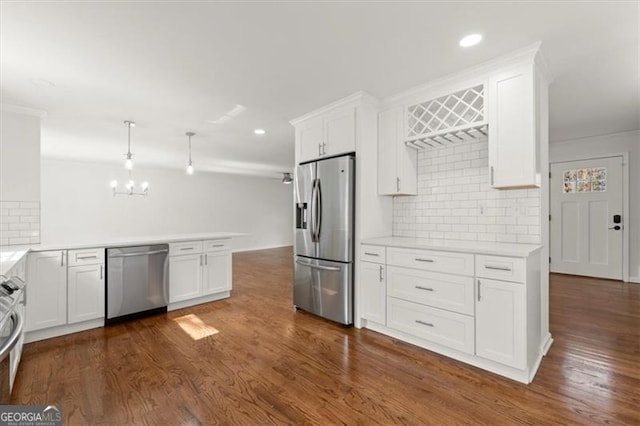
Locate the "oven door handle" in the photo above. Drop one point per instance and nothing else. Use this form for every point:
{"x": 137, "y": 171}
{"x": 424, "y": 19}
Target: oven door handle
{"x": 13, "y": 338}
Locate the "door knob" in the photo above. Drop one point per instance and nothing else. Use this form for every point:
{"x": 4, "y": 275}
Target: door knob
{"x": 616, "y": 228}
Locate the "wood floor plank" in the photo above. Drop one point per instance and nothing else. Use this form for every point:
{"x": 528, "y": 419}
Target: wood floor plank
{"x": 267, "y": 364}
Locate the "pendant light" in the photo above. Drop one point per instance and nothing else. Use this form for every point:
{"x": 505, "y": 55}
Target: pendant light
{"x": 130, "y": 185}
{"x": 190, "y": 164}
{"x": 128, "y": 164}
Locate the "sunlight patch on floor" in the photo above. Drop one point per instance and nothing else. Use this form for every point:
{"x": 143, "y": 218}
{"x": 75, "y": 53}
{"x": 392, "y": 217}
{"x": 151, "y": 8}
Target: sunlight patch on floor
{"x": 195, "y": 327}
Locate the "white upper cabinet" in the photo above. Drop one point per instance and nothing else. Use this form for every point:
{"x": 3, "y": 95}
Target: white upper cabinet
{"x": 330, "y": 134}
{"x": 513, "y": 147}
{"x": 397, "y": 163}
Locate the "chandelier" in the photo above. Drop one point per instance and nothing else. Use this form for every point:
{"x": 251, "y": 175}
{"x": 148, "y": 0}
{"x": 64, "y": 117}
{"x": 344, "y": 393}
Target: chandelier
{"x": 128, "y": 164}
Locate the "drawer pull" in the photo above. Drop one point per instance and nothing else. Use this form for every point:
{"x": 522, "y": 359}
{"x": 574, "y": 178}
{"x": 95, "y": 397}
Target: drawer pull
{"x": 498, "y": 268}
{"x": 218, "y": 245}
{"x": 428, "y": 324}
{"x": 419, "y": 287}
{"x": 418, "y": 259}
{"x": 86, "y": 257}
{"x": 371, "y": 254}
{"x": 381, "y": 273}
{"x": 186, "y": 248}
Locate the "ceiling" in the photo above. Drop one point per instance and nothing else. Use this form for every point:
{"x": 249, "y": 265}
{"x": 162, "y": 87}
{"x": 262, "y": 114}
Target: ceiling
{"x": 178, "y": 66}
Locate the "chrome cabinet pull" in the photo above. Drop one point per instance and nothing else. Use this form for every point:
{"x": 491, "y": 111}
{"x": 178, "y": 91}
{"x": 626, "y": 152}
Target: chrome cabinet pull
{"x": 498, "y": 268}
{"x": 419, "y": 287}
{"x": 479, "y": 288}
{"x": 186, "y": 248}
{"x": 418, "y": 259}
{"x": 62, "y": 258}
{"x": 101, "y": 273}
{"x": 428, "y": 324}
{"x": 218, "y": 245}
{"x": 86, "y": 257}
{"x": 397, "y": 184}
{"x": 371, "y": 254}
{"x": 206, "y": 259}
{"x": 491, "y": 175}
{"x": 381, "y": 273}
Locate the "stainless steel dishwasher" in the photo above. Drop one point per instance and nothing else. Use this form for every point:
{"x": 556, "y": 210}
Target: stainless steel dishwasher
{"x": 137, "y": 281}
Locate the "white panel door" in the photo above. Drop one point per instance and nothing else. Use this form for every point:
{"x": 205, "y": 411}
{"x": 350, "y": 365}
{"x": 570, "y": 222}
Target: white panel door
{"x": 86, "y": 293}
{"x": 373, "y": 292}
{"x": 500, "y": 322}
{"x": 586, "y": 197}
{"x": 217, "y": 272}
{"x": 46, "y": 290}
{"x": 185, "y": 277}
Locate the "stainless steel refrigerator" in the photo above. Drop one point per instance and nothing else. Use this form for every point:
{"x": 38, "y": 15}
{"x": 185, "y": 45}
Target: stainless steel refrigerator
{"x": 324, "y": 212}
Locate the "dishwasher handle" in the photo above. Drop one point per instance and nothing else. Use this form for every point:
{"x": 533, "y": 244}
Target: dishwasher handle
{"x": 13, "y": 338}
{"x": 144, "y": 253}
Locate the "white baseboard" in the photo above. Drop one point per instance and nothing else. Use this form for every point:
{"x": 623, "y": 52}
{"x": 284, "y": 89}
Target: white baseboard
{"x": 198, "y": 300}
{"x": 635, "y": 280}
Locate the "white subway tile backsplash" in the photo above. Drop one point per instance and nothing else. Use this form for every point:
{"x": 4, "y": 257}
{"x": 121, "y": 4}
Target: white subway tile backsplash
{"x": 456, "y": 201}
{"x": 19, "y": 222}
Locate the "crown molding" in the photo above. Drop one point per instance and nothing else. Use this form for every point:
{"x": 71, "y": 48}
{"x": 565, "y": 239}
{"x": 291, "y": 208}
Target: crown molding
{"x": 23, "y": 110}
{"x": 358, "y": 98}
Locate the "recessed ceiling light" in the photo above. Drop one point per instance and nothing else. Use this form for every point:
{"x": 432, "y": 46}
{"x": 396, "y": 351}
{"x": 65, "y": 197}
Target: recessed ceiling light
{"x": 259, "y": 131}
{"x": 41, "y": 82}
{"x": 470, "y": 40}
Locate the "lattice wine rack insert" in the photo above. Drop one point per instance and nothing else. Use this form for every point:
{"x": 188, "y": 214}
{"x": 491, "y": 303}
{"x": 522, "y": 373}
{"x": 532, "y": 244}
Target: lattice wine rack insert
{"x": 451, "y": 118}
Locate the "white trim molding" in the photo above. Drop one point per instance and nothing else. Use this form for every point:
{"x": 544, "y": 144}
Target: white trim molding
{"x": 23, "y": 110}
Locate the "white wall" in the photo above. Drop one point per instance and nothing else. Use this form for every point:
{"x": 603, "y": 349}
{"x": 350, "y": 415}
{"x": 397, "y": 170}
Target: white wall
{"x": 19, "y": 157}
{"x": 606, "y": 146}
{"x": 78, "y": 206}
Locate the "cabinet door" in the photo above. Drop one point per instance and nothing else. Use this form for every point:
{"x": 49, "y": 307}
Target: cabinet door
{"x": 397, "y": 164}
{"x": 86, "y": 293}
{"x": 373, "y": 292}
{"x": 217, "y": 272}
{"x": 512, "y": 134}
{"x": 185, "y": 277}
{"x": 46, "y": 290}
{"x": 309, "y": 137}
{"x": 500, "y": 322}
{"x": 339, "y": 133}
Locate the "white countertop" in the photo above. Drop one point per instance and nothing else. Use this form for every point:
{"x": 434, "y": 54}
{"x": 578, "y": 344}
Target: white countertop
{"x": 10, "y": 255}
{"x": 477, "y": 247}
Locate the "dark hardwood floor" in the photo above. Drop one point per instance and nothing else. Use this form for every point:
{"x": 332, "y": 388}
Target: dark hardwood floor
{"x": 252, "y": 360}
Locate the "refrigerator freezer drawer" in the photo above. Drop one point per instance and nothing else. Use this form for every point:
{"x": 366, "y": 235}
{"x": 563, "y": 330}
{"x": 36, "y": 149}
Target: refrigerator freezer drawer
{"x": 324, "y": 288}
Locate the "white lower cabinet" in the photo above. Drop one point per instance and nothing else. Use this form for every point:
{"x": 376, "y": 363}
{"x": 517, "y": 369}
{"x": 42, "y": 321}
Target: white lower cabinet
{"x": 198, "y": 269}
{"x": 501, "y": 322}
{"x": 85, "y": 293}
{"x": 477, "y": 308}
{"x": 185, "y": 277}
{"x": 46, "y": 290}
{"x": 373, "y": 292}
{"x": 217, "y": 272}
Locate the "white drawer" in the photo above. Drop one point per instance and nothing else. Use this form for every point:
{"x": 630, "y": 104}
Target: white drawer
{"x": 372, "y": 253}
{"x": 501, "y": 268}
{"x": 451, "y": 292}
{"x": 92, "y": 256}
{"x": 445, "y": 328}
{"x": 217, "y": 245}
{"x": 430, "y": 260}
{"x": 187, "y": 247}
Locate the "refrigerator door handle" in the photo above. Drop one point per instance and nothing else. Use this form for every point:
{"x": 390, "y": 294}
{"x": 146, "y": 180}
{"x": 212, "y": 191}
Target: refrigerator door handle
{"x": 324, "y": 268}
{"x": 319, "y": 212}
{"x": 313, "y": 213}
